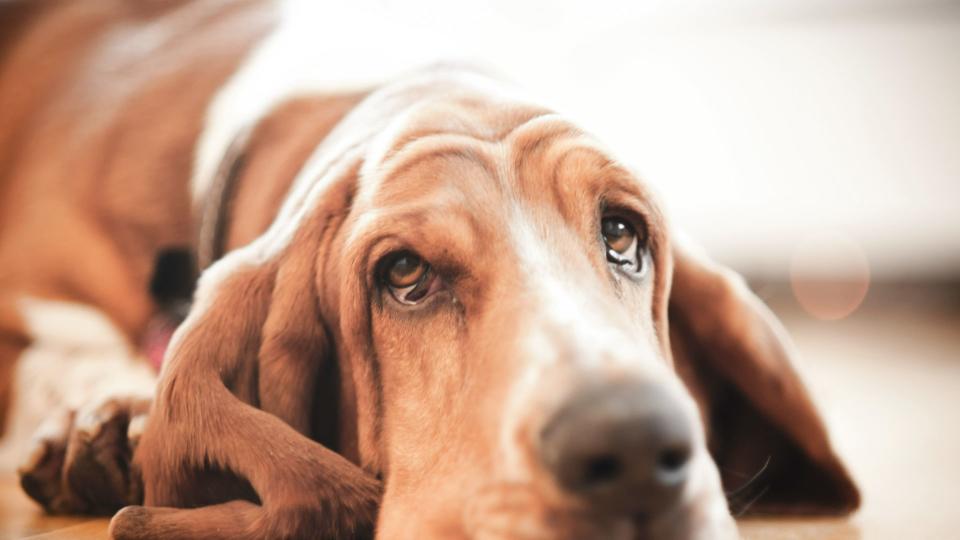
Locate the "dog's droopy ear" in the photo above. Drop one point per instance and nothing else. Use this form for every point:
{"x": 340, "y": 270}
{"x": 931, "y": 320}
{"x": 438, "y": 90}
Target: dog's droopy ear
{"x": 764, "y": 432}
{"x": 232, "y": 439}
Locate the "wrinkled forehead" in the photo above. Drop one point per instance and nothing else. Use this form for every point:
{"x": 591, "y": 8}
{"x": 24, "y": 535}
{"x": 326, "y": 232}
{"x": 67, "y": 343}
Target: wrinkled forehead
{"x": 461, "y": 139}
{"x": 477, "y": 150}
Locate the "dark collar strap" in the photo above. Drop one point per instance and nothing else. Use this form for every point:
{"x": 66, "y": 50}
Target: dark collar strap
{"x": 214, "y": 209}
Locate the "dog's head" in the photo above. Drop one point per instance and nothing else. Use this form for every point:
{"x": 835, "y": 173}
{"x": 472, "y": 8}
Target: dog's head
{"x": 523, "y": 346}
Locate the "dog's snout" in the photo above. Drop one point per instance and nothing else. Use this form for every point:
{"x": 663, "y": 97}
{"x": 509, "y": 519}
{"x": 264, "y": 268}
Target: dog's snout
{"x": 623, "y": 447}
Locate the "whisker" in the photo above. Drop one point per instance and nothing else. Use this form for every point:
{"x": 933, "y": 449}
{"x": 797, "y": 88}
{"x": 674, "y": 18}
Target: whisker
{"x": 743, "y": 487}
{"x": 750, "y": 503}
{"x": 738, "y": 474}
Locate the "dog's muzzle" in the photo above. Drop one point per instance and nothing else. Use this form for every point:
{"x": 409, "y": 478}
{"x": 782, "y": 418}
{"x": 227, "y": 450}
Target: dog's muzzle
{"x": 623, "y": 448}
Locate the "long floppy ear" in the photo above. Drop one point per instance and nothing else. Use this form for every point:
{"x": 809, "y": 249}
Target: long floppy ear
{"x": 229, "y": 436}
{"x": 764, "y": 432}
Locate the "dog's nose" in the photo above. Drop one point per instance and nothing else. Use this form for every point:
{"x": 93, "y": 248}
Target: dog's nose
{"x": 623, "y": 447}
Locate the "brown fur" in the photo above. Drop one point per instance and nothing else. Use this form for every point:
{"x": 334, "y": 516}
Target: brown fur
{"x": 278, "y": 148}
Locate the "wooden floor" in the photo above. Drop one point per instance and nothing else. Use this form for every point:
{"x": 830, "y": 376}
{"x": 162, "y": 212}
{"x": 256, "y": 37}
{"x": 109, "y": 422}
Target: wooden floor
{"x": 888, "y": 379}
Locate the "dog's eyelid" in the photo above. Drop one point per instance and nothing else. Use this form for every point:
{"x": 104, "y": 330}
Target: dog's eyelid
{"x": 629, "y": 205}
{"x": 616, "y": 258}
{"x": 387, "y": 263}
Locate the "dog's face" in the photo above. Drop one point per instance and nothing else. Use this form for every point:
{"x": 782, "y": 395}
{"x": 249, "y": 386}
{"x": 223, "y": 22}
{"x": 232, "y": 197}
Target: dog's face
{"x": 502, "y": 284}
{"x": 524, "y": 348}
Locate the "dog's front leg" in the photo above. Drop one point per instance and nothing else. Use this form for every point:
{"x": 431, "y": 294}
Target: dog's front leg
{"x": 304, "y": 489}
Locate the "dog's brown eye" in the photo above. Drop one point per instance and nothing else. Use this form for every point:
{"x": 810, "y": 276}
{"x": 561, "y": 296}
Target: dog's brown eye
{"x": 625, "y": 246}
{"x": 618, "y": 234}
{"x": 409, "y": 278}
{"x": 406, "y": 270}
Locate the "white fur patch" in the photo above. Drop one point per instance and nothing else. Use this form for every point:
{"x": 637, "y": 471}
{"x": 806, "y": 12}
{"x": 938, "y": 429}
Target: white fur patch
{"x": 77, "y": 356}
{"x": 583, "y": 330}
{"x": 69, "y": 325}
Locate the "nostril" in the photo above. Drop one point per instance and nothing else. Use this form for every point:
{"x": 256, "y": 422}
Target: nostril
{"x": 670, "y": 463}
{"x": 602, "y": 469}
{"x": 673, "y": 458}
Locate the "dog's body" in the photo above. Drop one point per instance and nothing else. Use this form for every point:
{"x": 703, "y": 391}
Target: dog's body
{"x": 304, "y": 386}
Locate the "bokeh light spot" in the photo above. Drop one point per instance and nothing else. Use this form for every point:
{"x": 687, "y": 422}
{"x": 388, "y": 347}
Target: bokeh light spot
{"x": 829, "y": 274}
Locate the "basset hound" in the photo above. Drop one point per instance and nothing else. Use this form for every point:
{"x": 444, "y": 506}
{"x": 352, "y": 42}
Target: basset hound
{"x": 428, "y": 308}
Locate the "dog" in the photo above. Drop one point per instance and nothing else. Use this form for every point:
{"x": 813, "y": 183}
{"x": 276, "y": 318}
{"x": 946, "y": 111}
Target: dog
{"x": 428, "y": 308}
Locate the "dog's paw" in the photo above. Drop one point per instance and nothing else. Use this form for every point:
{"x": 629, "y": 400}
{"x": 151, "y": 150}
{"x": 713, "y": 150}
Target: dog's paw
{"x": 81, "y": 460}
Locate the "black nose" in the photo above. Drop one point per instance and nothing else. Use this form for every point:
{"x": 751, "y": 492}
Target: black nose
{"x": 622, "y": 447}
